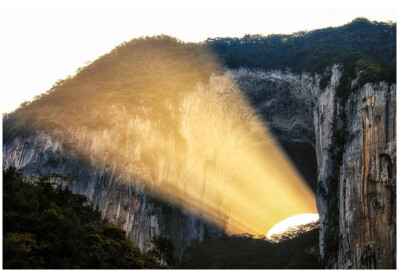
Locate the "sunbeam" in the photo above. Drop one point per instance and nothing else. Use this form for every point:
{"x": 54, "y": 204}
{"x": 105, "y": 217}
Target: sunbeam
{"x": 169, "y": 121}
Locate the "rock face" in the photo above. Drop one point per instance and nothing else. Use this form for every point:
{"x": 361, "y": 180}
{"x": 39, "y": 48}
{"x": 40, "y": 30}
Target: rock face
{"x": 346, "y": 151}
{"x": 367, "y": 186}
{"x": 356, "y": 198}
{"x": 285, "y": 101}
{"x": 325, "y": 113}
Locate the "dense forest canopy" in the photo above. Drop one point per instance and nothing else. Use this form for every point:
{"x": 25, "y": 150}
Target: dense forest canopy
{"x": 361, "y": 45}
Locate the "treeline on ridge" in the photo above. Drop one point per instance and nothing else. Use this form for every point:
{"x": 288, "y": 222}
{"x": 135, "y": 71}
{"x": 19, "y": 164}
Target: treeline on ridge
{"x": 360, "y": 45}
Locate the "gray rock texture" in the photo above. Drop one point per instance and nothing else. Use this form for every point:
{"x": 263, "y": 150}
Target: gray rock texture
{"x": 356, "y": 197}
{"x": 285, "y": 102}
{"x": 367, "y": 184}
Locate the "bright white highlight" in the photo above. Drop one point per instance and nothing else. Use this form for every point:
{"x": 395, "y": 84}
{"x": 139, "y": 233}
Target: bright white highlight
{"x": 290, "y": 222}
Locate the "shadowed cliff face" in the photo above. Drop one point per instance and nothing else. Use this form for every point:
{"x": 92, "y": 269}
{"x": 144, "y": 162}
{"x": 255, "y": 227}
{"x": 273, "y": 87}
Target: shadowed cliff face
{"x": 285, "y": 101}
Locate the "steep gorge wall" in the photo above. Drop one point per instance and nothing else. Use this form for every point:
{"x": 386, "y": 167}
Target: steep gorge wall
{"x": 367, "y": 187}
{"x": 356, "y": 198}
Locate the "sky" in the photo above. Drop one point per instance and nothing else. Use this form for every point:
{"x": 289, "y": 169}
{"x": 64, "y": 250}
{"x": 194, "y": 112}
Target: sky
{"x": 44, "y": 41}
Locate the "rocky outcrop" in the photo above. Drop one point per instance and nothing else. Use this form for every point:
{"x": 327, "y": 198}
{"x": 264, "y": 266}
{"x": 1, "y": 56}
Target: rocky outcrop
{"x": 325, "y": 112}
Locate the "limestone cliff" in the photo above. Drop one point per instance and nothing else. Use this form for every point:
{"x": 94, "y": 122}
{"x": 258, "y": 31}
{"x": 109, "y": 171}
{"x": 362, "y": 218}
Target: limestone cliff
{"x": 367, "y": 185}
{"x": 356, "y": 151}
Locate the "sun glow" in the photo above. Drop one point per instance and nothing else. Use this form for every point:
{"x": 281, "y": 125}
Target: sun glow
{"x": 290, "y": 222}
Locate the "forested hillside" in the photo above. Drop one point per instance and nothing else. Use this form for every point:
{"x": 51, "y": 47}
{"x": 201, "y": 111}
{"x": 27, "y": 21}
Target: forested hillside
{"x": 45, "y": 226}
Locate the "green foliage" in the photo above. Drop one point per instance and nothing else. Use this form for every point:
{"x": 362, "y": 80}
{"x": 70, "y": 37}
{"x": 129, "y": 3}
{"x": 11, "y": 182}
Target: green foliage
{"x": 19, "y": 249}
{"x": 46, "y": 226}
{"x": 163, "y": 251}
{"x": 246, "y": 252}
{"x": 369, "y": 71}
{"x": 359, "y": 45}
{"x": 323, "y": 83}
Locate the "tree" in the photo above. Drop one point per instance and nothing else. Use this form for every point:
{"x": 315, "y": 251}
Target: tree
{"x": 163, "y": 251}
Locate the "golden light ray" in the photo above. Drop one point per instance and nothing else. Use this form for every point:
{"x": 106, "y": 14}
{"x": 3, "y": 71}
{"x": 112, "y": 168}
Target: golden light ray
{"x": 225, "y": 166}
{"x": 198, "y": 146}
